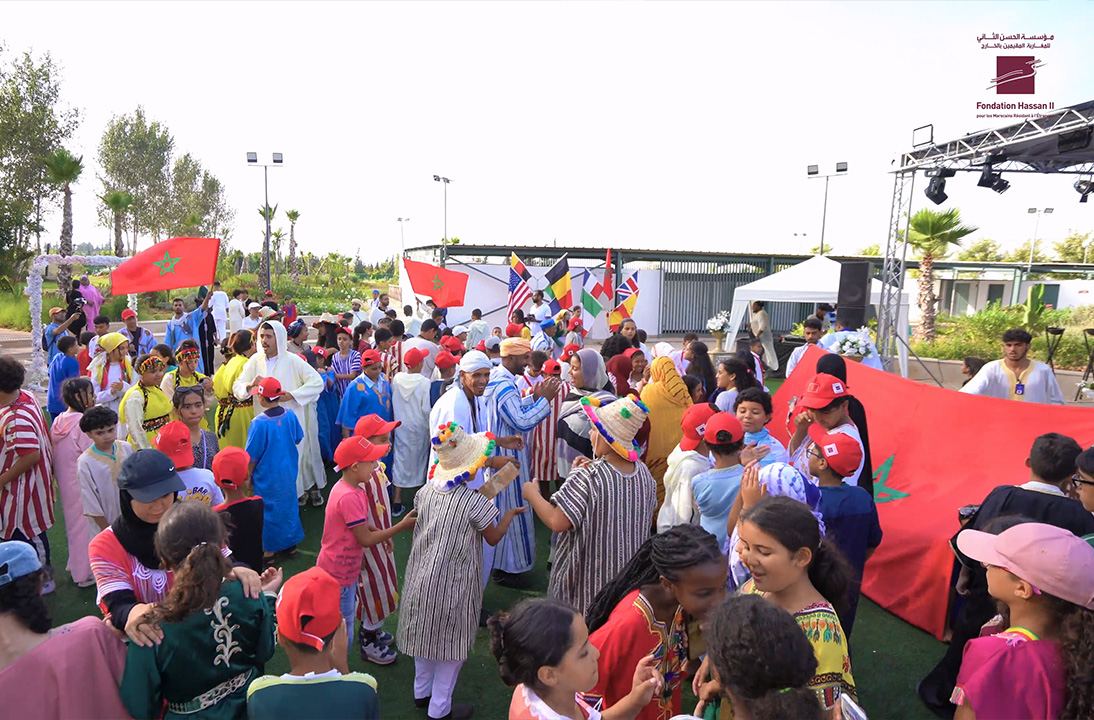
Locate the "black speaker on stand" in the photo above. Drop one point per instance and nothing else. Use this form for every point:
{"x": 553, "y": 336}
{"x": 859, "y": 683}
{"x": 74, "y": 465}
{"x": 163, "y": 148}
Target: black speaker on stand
{"x": 854, "y": 293}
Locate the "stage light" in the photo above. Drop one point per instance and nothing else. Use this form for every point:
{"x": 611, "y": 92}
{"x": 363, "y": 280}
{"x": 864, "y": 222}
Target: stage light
{"x": 936, "y": 188}
{"x": 993, "y": 180}
{"x": 1084, "y": 188}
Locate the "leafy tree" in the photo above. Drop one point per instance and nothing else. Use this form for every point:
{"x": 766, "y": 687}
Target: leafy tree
{"x": 118, "y": 202}
{"x": 196, "y": 192}
{"x": 135, "y": 156}
{"x": 33, "y": 123}
{"x": 983, "y": 250}
{"x": 62, "y": 169}
{"x": 873, "y": 250}
{"x": 1021, "y": 253}
{"x": 267, "y": 214}
{"x": 816, "y": 250}
{"x": 294, "y": 266}
{"x": 933, "y": 233}
{"x": 14, "y": 255}
{"x": 1075, "y": 248}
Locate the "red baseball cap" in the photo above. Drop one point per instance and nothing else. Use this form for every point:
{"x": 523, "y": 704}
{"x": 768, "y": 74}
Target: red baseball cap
{"x": 551, "y": 367}
{"x": 569, "y": 351}
{"x": 452, "y": 344}
{"x": 174, "y": 442}
{"x": 822, "y": 390}
{"x": 445, "y": 360}
{"x": 344, "y": 329}
{"x": 694, "y": 424}
{"x": 320, "y": 351}
{"x": 269, "y": 293}
{"x": 414, "y": 357}
{"x": 355, "y": 449}
{"x": 370, "y": 357}
{"x": 574, "y": 323}
{"x": 513, "y": 330}
{"x": 230, "y": 467}
{"x": 841, "y": 451}
{"x": 723, "y": 421}
{"x": 373, "y": 425}
{"x": 127, "y": 313}
{"x": 269, "y": 388}
{"x": 308, "y": 607}
{"x": 481, "y": 347}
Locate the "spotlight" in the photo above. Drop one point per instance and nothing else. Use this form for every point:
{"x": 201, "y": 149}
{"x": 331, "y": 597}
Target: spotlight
{"x": 993, "y": 180}
{"x": 1084, "y": 188}
{"x": 936, "y": 188}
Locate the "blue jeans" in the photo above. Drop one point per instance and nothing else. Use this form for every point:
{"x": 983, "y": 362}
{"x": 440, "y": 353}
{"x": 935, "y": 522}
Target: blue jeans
{"x": 347, "y": 603}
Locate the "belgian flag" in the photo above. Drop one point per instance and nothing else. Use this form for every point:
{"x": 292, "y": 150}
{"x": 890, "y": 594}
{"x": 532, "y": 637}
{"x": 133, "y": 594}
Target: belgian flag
{"x": 558, "y": 286}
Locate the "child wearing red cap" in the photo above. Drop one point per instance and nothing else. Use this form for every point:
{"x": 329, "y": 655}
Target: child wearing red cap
{"x": 174, "y": 442}
{"x": 716, "y": 490}
{"x": 690, "y": 459}
{"x": 231, "y": 471}
{"x": 850, "y": 515}
{"x": 318, "y": 685}
{"x": 271, "y": 444}
{"x": 347, "y": 526}
{"x": 825, "y": 402}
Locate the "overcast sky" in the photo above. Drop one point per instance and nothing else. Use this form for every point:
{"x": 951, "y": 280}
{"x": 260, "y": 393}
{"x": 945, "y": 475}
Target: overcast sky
{"x": 632, "y": 124}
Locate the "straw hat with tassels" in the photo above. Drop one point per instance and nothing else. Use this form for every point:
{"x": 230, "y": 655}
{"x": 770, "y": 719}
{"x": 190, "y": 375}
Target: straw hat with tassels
{"x": 618, "y": 422}
{"x": 460, "y": 455}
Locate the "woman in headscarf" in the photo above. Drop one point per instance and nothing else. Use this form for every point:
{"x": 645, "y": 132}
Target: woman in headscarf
{"x": 93, "y": 297}
{"x": 111, "y": 370}
{"x": 775, "y": 479}
{"x": 836, "y": 366}
{"x": 619, "y": 374}
{"x": 589, "y": 377}
{"x": 668, "y": 398}
{"x": 233, "y": 416}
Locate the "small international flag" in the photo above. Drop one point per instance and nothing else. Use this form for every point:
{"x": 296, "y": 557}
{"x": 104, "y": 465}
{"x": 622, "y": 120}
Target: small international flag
{"x": 519, "y": 291}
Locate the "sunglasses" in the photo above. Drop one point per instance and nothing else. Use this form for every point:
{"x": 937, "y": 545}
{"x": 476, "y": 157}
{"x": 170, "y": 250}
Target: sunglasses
{"x": 197, "y": 389}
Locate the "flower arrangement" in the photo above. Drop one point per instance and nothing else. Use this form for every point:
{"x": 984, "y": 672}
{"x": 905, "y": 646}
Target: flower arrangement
{"x": 1086, "y": 387}
{"x": 719, "y": 323}
{"x": 856, "y": 344}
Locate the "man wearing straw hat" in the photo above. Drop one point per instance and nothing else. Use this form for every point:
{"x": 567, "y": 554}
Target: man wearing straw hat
{"x": 510, "y": 414}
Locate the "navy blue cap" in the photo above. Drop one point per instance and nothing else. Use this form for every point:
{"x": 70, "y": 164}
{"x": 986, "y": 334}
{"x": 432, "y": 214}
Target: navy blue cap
{"x": 148, "y": 475}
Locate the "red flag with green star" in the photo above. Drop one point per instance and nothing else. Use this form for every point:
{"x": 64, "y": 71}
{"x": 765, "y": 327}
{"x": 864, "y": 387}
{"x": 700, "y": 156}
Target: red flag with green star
{"x": 445, "y": 287}
{"x": 168, "y": 265}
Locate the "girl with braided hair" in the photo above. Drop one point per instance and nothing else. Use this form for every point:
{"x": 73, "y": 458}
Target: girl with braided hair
{"x": 145, "y": 409}
{"x": 187, "y": 356}
{"x": 675, "y": 578}
{"x": 215, "y": 639}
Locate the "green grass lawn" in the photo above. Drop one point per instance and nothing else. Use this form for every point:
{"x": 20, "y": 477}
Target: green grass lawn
{"x": 889, "y": 656}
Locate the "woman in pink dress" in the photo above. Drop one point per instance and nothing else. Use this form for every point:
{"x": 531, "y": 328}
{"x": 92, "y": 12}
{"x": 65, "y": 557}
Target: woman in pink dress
{"x": 69, "y": 442}
{"x": 94, "y": 299}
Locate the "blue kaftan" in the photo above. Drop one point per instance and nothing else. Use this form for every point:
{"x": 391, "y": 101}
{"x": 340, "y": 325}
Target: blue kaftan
{"x": 184, "y": 328}
{"x": 327, "y": 410}
{"x": 271, "y": 442}
{"x": 507, "y": 413}
{"x": 364, "y": 397}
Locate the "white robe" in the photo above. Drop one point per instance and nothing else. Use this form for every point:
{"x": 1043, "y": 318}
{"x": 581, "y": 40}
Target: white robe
{"x": 303, "y": 382}
{"x": 410, "y": 406}
{"x": 997, "y": 380}
{"x": 761, "y": 328}
{"x": 236, "y": 313}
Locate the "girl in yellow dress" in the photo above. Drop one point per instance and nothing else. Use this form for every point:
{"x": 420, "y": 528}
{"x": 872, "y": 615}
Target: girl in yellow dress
{"x": 187, "y": 357}
{"x": 145, "y": 409}
{"x": 233, "y": 417}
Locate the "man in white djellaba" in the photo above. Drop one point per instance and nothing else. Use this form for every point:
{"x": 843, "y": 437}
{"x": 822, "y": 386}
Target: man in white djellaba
{"x": 1016, "y": 377}
{"x": 302, "y": 386}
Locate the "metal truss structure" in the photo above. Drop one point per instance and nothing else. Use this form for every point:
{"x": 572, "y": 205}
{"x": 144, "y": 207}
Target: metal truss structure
{"x": 1059, "y": 142}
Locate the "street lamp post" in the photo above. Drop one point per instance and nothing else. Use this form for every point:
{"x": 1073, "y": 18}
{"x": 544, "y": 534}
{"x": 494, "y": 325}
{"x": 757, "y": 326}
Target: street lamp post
{"x": 813, "y": 171}
{"x": 252, "y": 158}
{"x": 444, "y": 241}
{"x": 402, "y": 240}
{"x": 1036, "y": 227}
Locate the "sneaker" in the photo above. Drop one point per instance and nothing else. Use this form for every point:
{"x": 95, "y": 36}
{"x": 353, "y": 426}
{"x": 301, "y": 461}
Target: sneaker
{"x": 90, "y": 582}
{"x": 397, "y": 509}
{"x": 302, "y": 500}
{"x": 316, "y": 497}
{"x": 378, "y": 654}
{"x": 384, "y": 638}
{"x": 48, "y": 583}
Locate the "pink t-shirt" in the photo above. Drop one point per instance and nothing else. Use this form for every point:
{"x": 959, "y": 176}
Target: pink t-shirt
{"x": 340, "y": 553}
{"x": 1012, "y": 675}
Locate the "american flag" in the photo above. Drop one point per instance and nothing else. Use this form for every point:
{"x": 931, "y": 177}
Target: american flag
{"x": 627, "y": 288}
{"x": 519, "y": 292}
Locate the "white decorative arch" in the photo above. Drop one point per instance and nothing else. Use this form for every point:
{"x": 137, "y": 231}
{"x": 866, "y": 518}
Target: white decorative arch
{"x": 38, "y": 377}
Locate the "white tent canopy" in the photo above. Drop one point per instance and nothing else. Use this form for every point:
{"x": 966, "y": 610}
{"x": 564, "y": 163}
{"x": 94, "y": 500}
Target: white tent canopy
{"x": 814, "y": 281}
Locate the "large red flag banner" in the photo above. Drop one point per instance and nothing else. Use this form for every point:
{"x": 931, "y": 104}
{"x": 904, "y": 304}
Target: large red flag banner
{"x": 175, "y": 263}
{"x": 934, "y": 451}
{"x": 445, "y": 287}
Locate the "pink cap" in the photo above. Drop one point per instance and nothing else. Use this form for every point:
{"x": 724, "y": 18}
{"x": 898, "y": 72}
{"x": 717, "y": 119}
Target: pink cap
{"x": 1050, "y": 558}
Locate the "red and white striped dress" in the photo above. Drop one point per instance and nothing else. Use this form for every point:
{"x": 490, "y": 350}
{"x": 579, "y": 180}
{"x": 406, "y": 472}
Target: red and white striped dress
{"x": 26, "y": 503}
{"x": 393, "y": 359}
{"x": 378, "y": 586}
{"x": 544, "y": 438}
{"x": 526, "y": 382}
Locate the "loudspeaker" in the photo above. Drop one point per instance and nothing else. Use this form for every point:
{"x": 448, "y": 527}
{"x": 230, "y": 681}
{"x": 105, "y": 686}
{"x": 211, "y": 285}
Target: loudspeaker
{"x": 854, "y": 293}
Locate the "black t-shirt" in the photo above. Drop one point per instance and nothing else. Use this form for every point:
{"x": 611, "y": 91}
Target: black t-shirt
{"x": 245, "y": 530}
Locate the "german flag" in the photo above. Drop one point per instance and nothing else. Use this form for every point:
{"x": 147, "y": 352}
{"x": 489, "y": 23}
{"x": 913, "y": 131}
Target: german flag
{"x": 558, "y": 286}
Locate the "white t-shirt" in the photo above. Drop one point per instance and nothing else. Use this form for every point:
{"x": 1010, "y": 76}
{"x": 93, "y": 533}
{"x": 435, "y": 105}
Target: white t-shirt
{"x": 430, "y": 362}
{"x": 377, "y": 314}
{"x": 359, "y": 316}
{"x": 538, "y": 315}
{"x": 250, "y": 323}
{"x": 201, "y": 486}
{"x": 219, "y": 305}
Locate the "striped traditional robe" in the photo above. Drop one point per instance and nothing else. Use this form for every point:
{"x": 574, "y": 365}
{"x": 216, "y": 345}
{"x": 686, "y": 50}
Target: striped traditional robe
{"x": 544, "y": 438}
{"x": 26, "y": 503}
{"x": 378, "y": 586}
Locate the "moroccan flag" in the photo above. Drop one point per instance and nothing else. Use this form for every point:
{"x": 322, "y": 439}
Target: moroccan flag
{"x": 445, "y": 287}
{"x": 168, "y": 265}
{"x": 558, "y": 286}
{"x": 933, "y": 450}
{"x": 628, "y": 291}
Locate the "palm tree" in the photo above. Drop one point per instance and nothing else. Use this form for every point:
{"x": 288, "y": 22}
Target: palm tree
{"x": 62, "y": 169}
{"x": 933, "y": 233}
{"x": 118, "y": 201}
{"x": 294, "y": 266}
{"x": 267, "y": 214}
{"x": 275, "y": 240}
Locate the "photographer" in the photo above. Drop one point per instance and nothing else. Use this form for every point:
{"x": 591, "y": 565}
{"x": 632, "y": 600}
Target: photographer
{"x": 76, "y": 301}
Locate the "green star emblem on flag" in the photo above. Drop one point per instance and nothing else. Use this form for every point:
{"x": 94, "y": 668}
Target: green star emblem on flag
{"x": 437, "y": 282}
{"x": 167, "y": 265}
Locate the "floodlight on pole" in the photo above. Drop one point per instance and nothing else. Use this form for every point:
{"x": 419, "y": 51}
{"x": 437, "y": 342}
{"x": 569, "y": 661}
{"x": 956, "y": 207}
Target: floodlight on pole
{"x": 278, "y": 159}
{"x": 813, "y": 171}
{"x": 1036, "y": 227}
{"x": 444, "y": 241}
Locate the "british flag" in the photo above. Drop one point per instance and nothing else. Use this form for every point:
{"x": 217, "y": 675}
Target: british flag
{"x": 628, "y": 287}
{"x": 519, "y": 292}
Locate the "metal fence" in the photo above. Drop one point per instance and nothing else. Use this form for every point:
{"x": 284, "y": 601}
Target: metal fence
{"x": 693, "y": 292}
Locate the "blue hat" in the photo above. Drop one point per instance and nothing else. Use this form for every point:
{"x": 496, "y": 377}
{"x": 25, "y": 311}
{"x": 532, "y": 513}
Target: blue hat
{"x": 148, "y": 475}
{"x": 17, "y": 559}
